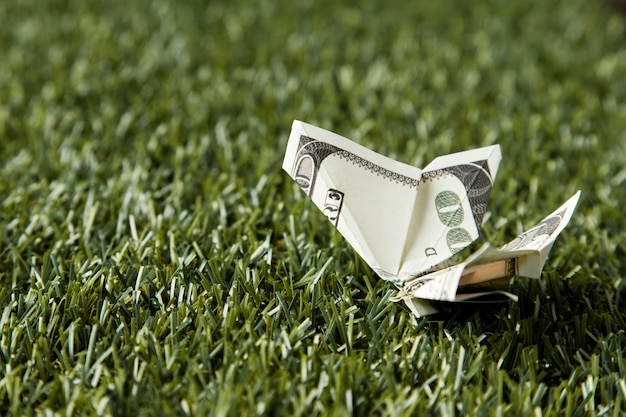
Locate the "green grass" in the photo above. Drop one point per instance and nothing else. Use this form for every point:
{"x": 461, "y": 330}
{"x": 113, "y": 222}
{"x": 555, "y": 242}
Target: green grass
{"x": 154, "y": 259}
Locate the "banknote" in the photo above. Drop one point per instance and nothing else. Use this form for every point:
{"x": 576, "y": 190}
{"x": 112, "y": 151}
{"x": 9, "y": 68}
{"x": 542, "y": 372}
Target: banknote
{"x": 402, "y": 220}
{"x": 408, "y": 222}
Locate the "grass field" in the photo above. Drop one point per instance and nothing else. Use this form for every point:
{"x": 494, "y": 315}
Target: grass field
{"x": 155, "y": 260}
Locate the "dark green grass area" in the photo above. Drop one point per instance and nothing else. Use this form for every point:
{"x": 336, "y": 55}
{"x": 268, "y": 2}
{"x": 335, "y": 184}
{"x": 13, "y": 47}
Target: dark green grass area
{"x": 155, "y": 260}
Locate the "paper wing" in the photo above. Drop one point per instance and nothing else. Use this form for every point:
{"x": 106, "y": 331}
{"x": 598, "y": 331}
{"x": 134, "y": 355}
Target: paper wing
{"x": 449, "y": 208}
{"x": 531, "y": 249}
{"x": 368, "y": 197}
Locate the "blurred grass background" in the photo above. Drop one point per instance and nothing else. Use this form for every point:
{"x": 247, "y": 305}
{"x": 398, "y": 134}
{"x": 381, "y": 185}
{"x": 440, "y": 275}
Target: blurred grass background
{"x": 156, "y": 261}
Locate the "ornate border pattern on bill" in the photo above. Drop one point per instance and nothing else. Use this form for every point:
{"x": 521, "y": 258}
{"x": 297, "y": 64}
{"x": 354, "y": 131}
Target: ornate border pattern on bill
{"x": 311, "y": 153}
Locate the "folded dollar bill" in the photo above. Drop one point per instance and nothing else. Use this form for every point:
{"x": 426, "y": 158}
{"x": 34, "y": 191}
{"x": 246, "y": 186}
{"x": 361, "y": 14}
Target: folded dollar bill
{"x": 407, "y": 223}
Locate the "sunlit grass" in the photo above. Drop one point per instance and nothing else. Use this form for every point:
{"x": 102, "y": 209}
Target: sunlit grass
{"x": 154, "y": 259}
